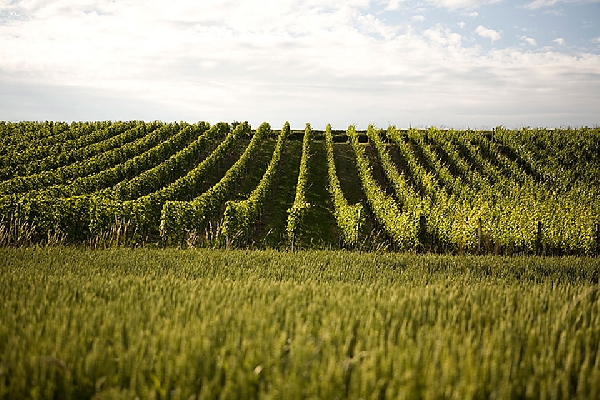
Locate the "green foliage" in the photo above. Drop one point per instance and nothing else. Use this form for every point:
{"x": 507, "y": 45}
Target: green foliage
{"x": 485, "y": 201}
{"x": 300, "y": 206}
{"x": 153, "y": 179}
{"x": 179, "y": 217}
{"x": 349, "y": 218}
{"x": 30, "y": 147}
{"x": 143, "y": 213}
{"x": 400, "y": 226}
{"x": 503, "y": 191}
{"x": 240, "y": 216}
{"x": 109, "y": 168}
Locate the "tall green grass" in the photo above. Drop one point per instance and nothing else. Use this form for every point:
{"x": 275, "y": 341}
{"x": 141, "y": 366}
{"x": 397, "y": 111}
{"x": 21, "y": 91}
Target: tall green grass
{"x": 318, "y": 324}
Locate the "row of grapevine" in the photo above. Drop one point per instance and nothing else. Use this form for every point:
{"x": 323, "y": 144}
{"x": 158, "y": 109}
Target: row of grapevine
{"x": 533, "y": 215}
{"x": 448, "y": 217}
{"x": 408, "y": 199}
{"x": 400, "y": 226}
{"x": 426, "y": 210}
{"x": 67, "y": 174}
{"x": 518, "y": 152}
{"x": 422, "y": 198}
{"x": 349, "y": 218}
{"x": 83, "y": 214}
{"x": 180, "y": 217}
{"x": 441, "y": 226}
{"x": 142, "y": 214}
{"x": 164, "y": 173}
{"x": 513, "y": 213}
{"x": 441, "y": 143}
{"x": 431, "y": 160}
{"x": 298, "y": 210}
{"x": 111, "y": 139}
{"x": 19, "y": 136}
{"x": 424, "y": 181}
{"x": 75, "y": 137}
{"x": 241, "y": 215}
{"x": 509, "y": 168}
{"x": 563, "y": 158}
{"x": 131, "y": 160}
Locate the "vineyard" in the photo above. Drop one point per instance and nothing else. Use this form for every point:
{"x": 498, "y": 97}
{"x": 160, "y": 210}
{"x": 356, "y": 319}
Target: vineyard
{"x": 107, "y": 184}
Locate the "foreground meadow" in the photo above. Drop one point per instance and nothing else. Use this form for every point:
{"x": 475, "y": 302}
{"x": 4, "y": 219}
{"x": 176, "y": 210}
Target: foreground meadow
{"x": 190, "y": 324}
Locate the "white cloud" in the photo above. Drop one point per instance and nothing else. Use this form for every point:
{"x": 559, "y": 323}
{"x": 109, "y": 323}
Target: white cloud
{"x": 302, "y": 60}
{"x": 540, "y": 3}
{"x": 556, "y": 12}
{"x": 559, "y": 41}
{"x": 461, "y": 24}
{"x": 474, "y": 14}
{"x": 528, "y": 40}
{"x": 418, "y": 18}
{"x": 393, "y": 5}
{"x": 596, "y": 40}
{"x": 488, "y": 33}
{"x": 443, "y": 36}
{"x": 550, "y": 3}
{"x": 456, "y": 4}
{"x": 372, "y": 25}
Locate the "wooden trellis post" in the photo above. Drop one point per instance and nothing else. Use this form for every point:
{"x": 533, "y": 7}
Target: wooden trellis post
{"x": 423, "y": 234}
{"x": 597, "y": 238}
{"x": 538, "y": 239}
{"x": 479, "y": 235}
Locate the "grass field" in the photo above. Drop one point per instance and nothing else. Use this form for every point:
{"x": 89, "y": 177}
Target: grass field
{"x": 174, "y": 324}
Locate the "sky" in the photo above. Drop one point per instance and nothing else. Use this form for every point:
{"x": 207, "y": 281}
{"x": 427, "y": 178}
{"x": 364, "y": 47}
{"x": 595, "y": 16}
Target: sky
{"x": 445, "y": 63}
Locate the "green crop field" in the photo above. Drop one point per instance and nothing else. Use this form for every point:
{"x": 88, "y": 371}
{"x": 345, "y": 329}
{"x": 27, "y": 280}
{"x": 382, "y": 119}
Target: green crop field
{"x": 166, "y": 323}
{"x": 160, "y": 260}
